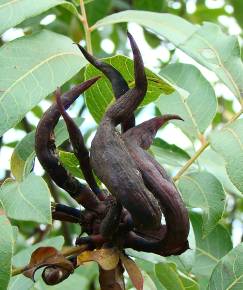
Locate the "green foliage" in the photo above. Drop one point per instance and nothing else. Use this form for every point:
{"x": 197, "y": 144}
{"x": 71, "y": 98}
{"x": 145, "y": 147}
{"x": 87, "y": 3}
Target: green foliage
{"x": 209, "y": 249}
{"x": 24, "y": 153}
{"x": 18, "y": 11}
{"x": 228, "y": 143}
{"x": 206, "y": 44}
{"x": 45, "y": 57}
{"x": 197, "y": 106}
{"x": 29, "y": 76}
{"x": 6, "y": 251}
{"x": 169, "y": 154}
{"x": 71, "y": 163}
{"x": 30, "y": 201}
{"x": 171, "y": 279}
{"x": 203, "y": 190}
{"x": 228, "y": 271}
{"x": 174, "y": 28}
{"x": 100, "y": 96}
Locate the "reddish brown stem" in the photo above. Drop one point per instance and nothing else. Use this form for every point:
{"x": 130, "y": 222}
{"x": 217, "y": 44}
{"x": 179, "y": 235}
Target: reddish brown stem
{"x": 79, "y": 148}
{"x": 48, "y": 157}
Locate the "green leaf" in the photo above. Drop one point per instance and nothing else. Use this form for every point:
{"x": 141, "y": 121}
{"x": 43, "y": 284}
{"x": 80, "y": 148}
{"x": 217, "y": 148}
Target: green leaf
{"x": 31, "y": 68}
{"x": 198, "y": 108}
{"x": 6, "y": 251}
{"x": 61, "y": 133}
{"x": 171, "y": 279}
{"x": 170, "y": 154}
{"x": 22, "y": 258}
{"x": 20, "y": 282}
{"x": 148, "y": 283}
{"x": 188, "y": 282}
{"x": 220, "y": 53}
{"x": 214, "y": 163}
{"x": 209, "y": 249}
{"x": 13, "y": 12}
{"x": 207, "y": 44}
{"x": 228, "y": 142}
{"x": 174, "y": 28}
{"x": 22, "y": 159}
{"x": 185, "y": 261}
{"x": 28, "y": 200}
{"x": 148, "y": 257}
{"x": 70, "y": 162}
{"x": 203, "y": 190}
{"x": 149, "y": 268}
{"x": 24, "y": 153}
{"x": 228, "y": 273}
{"x": 100, "y": 95}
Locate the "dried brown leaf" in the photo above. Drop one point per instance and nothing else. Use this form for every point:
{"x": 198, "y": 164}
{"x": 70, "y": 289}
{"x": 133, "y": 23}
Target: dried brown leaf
{"x": 133, "y": 271}
{"x": 48, "y": 257}
{"x": 106, "y": 258}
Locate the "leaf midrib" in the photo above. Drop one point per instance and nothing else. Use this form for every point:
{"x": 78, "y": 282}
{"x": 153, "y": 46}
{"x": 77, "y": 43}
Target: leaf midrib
{"x": 8, "y": 3}
{"x": 25, "y": 75}
{"x": 29, "y": 203}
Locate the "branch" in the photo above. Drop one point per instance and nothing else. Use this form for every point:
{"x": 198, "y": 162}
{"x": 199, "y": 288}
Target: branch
{"x": 84, "y": 20}
{"x": 190, "y": 161}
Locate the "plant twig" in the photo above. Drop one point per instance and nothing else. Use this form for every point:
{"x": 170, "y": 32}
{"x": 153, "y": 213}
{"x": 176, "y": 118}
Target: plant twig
{"x": 87, "y": 30}
{"x": 205, "y": 144}
{"x": 191, "y": 160}
{"x": 66, "y": 253}
{"x": 235, "y": 117}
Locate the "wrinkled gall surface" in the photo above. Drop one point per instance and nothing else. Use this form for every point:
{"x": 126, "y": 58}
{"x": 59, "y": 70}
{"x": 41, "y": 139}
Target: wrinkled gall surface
{"x": 127, "y": 214}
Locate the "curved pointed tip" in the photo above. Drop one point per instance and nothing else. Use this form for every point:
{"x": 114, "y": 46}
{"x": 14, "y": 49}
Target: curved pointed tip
{"x": 139, "y": 69}
{"x": 94, "y": 79}
{"x": 86, "y": 54}
{"x": 160, "y": 121}
{"x": 88, "y": 83}
{"x": 80, "y": 47}
{"x": 168, "y": 117}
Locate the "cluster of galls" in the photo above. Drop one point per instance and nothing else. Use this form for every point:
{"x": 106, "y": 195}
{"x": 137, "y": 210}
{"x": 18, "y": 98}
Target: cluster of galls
{"x": 139, "y": 188}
